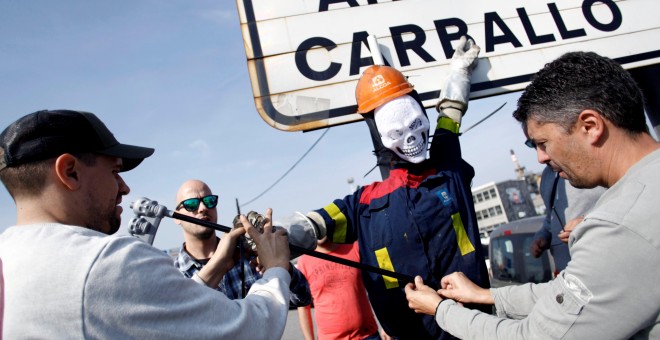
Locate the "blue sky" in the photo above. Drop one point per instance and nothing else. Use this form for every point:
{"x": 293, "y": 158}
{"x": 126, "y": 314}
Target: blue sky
{"x": 172, "y": 75}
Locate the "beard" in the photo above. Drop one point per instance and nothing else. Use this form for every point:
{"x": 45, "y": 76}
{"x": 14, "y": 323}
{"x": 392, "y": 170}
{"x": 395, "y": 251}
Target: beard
{"x": 577, "y": 166}
{"x": 101, "y": 218}
{"x": 115, "y": 223}
{"x": 107, "y": 223}
{"x": 205, "y": 234}
{"x": 581, "y": 183}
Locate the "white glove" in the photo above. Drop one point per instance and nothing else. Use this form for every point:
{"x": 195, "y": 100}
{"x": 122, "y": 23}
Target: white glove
{"x": 301, "y": 230}
{"x": 455, "y": 93}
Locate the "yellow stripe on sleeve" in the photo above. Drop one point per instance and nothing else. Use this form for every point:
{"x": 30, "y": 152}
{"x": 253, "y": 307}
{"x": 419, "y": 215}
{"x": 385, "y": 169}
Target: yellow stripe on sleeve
{"x": 384, "y": 262}
{"x": 339, "y": 235}
{"x": 461, "y": 236}
{"x": 448, "y": 124}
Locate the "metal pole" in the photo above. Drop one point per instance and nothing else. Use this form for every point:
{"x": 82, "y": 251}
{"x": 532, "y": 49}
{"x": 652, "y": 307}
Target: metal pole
{"x": 375, "y": 50}
{"x": 305, "y": 251}
{"x": 148, "y": 214}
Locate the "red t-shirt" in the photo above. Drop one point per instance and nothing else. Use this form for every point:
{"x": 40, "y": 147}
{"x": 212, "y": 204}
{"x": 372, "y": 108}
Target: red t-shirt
{"x": 341, "y": 305}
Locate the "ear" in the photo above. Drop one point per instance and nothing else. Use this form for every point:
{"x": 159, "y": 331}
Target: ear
{"x": 592, "y": 125}
{"x": 67, "y": 171}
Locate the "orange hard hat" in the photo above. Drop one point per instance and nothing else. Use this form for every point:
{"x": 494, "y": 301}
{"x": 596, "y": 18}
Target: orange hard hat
{"x": 378, "y": 85}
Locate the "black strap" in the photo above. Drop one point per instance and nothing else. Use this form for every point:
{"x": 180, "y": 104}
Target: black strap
{"x": 553, "y": 193}
{"x": 553, "y": 198}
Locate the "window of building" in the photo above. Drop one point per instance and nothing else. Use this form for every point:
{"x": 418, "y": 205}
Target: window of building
{"x": 484, "y": 213}
{"x": 486, "y": 195}
{"x": 491, "y": 211}
{"x": 498, "y": 210}
{"x": 480, "y": 198}
{"x": 478, "y": 215}
{"x": 493, "y": 193}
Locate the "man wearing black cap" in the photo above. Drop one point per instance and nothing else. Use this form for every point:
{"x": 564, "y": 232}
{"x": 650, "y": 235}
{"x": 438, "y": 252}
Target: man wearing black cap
{"x": 63, "y": 277}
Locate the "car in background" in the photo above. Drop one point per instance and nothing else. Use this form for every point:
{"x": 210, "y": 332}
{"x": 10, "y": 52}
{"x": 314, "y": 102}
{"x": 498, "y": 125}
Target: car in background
{"x": 511, "y": 261}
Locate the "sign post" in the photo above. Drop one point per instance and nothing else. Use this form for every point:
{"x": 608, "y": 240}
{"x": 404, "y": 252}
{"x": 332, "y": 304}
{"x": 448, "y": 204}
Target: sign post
{"x": 305, "y": 56}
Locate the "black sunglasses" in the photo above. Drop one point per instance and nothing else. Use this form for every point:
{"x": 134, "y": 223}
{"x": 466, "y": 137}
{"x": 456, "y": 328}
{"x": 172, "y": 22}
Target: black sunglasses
{"x": 191, "y": 204}
{"x": 530, "y": 143}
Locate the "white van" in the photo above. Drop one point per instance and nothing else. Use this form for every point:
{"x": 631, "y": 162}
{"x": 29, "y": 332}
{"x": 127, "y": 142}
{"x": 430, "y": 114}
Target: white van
{"x": 511, "y": 261}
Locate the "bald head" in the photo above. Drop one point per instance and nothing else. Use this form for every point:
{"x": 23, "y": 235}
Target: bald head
{"x": 196, "y": 189}
{"x": 191, "y": 187}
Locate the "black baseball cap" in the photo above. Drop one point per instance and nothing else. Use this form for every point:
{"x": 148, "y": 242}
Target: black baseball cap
{"x": 49, "y": 133}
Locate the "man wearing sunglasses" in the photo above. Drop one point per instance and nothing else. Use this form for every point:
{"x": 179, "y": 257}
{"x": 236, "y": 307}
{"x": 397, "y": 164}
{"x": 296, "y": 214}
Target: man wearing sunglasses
{"x": 195, "y": 199}
{"x": 585, "y": 113}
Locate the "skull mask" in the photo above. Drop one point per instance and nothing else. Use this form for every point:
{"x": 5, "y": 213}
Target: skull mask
{"x": 403, "y": 128}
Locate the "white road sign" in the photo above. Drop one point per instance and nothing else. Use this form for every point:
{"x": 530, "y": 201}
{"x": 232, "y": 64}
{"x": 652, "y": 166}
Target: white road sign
{"x": 305, "y": 56}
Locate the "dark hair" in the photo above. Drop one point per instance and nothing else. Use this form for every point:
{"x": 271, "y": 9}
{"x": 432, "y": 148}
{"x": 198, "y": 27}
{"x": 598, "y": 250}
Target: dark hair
{"x": 578, "y": 81}
{"x": 29, "y": 179}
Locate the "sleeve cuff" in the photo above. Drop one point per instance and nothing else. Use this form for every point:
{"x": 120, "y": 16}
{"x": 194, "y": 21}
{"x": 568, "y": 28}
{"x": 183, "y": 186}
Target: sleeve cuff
{"x": 198, "y": 279}
{"x": 280, "y": 273}
{"x": 441, "y": 310}
{"x": 499, "y": 308}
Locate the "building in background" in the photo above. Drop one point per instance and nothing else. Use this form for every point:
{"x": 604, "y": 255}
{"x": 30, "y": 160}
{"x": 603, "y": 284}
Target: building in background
{"x": 503, "y": 202}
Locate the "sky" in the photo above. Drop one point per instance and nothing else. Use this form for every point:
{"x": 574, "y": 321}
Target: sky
{"x": 173, "y": 75}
